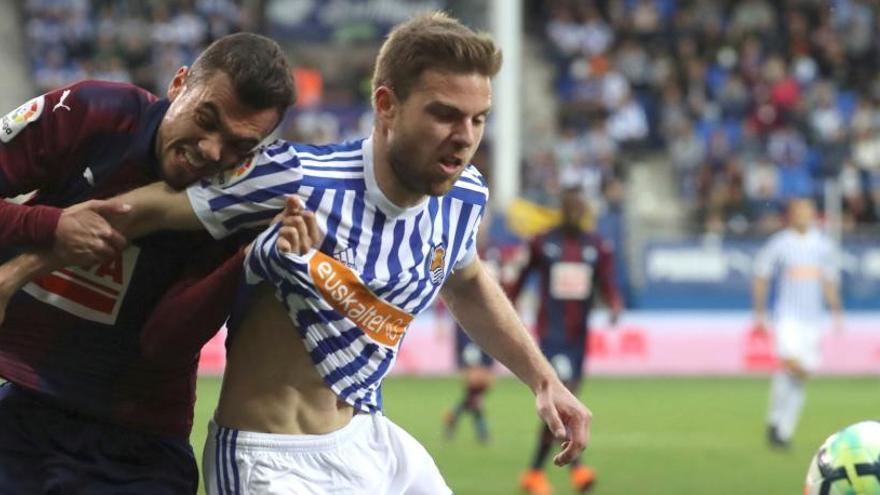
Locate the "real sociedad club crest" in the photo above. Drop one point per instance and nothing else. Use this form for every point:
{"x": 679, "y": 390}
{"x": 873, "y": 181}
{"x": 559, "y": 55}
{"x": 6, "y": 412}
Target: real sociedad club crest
{"x": 438, "y": 263}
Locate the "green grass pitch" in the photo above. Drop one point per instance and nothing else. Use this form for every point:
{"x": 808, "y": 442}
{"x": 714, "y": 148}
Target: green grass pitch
{"x": 651, "y": 436}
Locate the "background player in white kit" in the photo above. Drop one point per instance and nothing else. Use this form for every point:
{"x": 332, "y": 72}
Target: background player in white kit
{"x": 803, "y": 260}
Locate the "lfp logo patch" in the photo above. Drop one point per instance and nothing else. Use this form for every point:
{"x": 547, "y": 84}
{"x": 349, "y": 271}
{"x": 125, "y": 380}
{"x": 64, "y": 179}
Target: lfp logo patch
{"x": 234, "y": 175}
{"x": 13, "y": 122}
{"x": 438, "y": 264}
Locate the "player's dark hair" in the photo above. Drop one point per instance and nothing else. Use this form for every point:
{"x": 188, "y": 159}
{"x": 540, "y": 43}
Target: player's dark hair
{"x": 256, "y": 66}
{"x": 432, "y": 41}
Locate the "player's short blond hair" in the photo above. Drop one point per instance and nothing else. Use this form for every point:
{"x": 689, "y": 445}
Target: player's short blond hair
{"x": 435, "y": 41}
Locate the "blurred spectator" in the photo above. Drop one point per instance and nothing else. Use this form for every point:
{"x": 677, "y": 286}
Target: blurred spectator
{"x": 121, "y": 40}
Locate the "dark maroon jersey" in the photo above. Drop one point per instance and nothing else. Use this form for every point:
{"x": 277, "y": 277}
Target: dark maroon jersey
{"x": 75, "y": 335}
{"x": 570, "y": 266}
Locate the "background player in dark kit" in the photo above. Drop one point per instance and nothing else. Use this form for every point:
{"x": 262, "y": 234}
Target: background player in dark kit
{"x": 570, "y": 263}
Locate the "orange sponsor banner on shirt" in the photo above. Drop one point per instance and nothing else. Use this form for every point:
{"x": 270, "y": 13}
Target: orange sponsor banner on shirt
{"x": 347, "y": 294}
{"x": 804, "y": 272}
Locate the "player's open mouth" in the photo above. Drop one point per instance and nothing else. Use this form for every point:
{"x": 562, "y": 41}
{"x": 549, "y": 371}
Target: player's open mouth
{"x": 187, "y": 160}
{"x": 450, "y": 164}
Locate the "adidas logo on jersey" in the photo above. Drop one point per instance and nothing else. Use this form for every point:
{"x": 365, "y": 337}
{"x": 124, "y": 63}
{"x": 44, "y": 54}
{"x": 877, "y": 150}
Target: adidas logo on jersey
{"x": 346, "y": 257}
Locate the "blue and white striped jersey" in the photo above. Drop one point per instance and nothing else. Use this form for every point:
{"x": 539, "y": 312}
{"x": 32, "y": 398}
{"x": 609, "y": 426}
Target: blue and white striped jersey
{"x": 802, "y": 262}
{"x": 378, "y": 266}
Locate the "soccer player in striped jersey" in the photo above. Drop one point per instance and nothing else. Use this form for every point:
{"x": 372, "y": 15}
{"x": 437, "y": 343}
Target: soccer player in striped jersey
{"x": 382, "y": 227}
{"x": 802, "y": 259}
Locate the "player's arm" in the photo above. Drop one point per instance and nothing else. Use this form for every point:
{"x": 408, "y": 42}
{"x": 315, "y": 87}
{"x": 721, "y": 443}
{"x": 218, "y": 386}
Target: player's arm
{"x": 36, "y": 143}
{"x": 156, "y": 207}
{"x": 208, "y": 289}
{"x": 760, "y": 288}
{"x": 608, "y": 282}
{"x": 480, "y": 306}
{"x": 221, "y": 210}
{"x": 136, "y": 213}
{"x": 18, "y": 271}
{"x": 247, "y": 197}
{"x": 531, "y": 263}
{"x": 764, "y": 263}
{"x": 831, "y": 291}
{"x": 831, "y": 287}
{"x": 207, "y": 296}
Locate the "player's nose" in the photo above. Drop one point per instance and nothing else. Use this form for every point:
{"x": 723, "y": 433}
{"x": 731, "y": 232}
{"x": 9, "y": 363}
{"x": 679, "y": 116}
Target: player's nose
{"x": 211, "y": 149}
{"x": 464, "y": 134}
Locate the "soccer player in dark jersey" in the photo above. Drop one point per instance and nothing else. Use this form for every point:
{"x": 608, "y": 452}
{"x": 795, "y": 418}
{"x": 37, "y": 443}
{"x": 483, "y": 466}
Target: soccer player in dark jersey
{"x": 86, "y": 409}
{"x": 476, "y": 371}
{"x": 569, "y": 262}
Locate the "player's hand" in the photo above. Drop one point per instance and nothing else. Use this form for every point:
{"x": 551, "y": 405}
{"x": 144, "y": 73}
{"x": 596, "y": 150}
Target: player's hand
{"x": 299, "y": 229}
{"x": 84, "y": 234}
{"x": 568, "y": 419}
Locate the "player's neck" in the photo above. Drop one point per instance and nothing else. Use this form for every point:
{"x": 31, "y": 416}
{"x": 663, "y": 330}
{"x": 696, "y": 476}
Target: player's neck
{"x": 385, "y": 178}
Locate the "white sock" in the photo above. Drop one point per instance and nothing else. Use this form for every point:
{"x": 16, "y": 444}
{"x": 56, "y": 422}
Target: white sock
{"x": 776, "y": 402}
{"x": 794, "y": 403}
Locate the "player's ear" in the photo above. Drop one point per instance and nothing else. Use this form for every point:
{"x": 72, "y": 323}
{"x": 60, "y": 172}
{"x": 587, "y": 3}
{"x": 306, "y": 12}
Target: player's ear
{"x": 385, "y": 104}
{"x": 175, "y": 87}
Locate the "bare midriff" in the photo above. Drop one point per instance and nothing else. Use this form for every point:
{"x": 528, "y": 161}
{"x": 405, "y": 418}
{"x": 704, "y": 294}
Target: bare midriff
{"x": 270, "y": 384}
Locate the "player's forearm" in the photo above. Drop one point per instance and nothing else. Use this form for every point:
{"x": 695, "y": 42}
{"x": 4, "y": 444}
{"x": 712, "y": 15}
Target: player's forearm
{"x": 486, "y": 314}
{"x": 18, "y": 271}
{"x": 832, "y": 297}
{"x": 759, "y": 296}
{"x": 157, "y": 207}
{"x": 20, "y": 224}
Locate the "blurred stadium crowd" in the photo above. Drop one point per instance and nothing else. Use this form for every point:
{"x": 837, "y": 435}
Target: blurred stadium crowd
{"x": 752, "y": 101}
{"x": 142, "y": 42}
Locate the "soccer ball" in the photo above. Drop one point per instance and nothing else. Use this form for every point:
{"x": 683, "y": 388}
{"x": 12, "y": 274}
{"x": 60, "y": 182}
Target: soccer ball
{"x": 848, "y": 463}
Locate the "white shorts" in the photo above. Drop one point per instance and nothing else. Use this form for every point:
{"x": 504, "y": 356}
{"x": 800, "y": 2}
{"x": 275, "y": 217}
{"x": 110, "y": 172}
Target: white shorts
{"x": 799, "y": 341}
{"x": 369, "y": 455}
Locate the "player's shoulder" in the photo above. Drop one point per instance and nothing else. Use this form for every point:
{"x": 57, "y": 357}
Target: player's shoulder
{"x": 780, "y": 237}
{"x": 100, "y": 106}
{"x": 108, "y": 96}
{"x": 471, "y": 187}
{"x": 347, "y": 154}
{"x": 330, "y": 154}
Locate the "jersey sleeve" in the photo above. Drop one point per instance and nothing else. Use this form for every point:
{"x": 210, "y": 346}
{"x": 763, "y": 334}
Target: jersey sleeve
{"x": 249, "y": 195}
{"x": 767, "y": 258}
{"x": 207, "y": 290}
{"x": 473, "y": 182}
{"x": 469, "y": 254}
{"x": 286, "y": 271}
{"x": 37, "y": 140}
